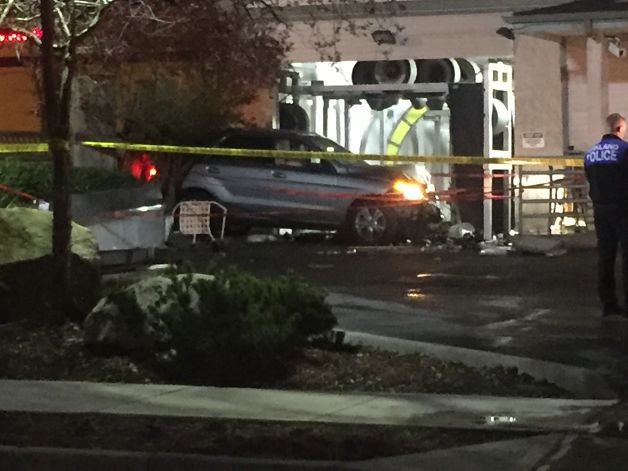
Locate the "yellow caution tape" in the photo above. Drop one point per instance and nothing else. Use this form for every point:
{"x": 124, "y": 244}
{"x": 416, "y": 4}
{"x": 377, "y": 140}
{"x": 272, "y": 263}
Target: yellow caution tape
{"x": 18, "y": 148}
{"x": 290, "y": 154}
{"x": 287, "y": 154}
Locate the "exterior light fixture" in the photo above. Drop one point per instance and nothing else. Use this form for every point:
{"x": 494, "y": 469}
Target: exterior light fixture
{"x": 507, "y": 33}
{"x": 383, "y": 36}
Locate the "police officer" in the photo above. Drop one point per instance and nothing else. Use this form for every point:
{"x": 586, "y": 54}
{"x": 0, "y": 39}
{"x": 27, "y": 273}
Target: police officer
{"x": 606, "y": 166}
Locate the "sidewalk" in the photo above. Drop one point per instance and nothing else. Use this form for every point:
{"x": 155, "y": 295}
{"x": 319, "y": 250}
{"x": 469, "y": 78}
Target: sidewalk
{"x": 425, "y": 410}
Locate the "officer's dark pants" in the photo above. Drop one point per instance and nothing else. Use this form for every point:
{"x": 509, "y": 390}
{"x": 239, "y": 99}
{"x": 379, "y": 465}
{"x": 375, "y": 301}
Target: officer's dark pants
{"x": 611, "y": 226}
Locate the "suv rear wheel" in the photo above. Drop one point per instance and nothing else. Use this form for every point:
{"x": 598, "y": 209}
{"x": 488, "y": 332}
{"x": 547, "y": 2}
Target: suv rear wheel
{"x": 371, "y": 225}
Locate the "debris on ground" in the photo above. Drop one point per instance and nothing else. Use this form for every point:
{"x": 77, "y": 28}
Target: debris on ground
{"x": 539, "y": 245}
{"x": 463, "y": 230}
{"x": 497, "y": 246}
{"x": 447, "y": 246}
{"x": 260, "y": 238}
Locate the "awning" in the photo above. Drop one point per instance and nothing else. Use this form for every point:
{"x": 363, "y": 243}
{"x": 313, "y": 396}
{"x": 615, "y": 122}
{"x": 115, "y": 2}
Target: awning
{"x": 582, "y": 17}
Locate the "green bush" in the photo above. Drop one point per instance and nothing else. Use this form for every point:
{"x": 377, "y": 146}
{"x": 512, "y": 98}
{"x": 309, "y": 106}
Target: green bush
{"x": 226, "y": 329}
{"x": 243, "y": 323}
{"x": 35, "y": 178}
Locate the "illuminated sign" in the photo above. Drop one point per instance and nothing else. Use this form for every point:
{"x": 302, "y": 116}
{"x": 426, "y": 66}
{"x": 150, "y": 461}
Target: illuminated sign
{"x": 8, "y": 36}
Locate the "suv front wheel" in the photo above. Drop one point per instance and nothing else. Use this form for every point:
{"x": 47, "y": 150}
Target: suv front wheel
{"x": 371, "y": 225}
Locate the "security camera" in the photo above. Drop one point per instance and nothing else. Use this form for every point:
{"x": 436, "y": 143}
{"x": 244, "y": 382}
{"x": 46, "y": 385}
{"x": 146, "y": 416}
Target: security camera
{"x": 614, "y": 47}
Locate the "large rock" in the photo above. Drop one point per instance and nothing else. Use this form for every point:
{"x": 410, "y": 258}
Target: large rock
{"x": 26, "y": 275}
{"x": 27, "y": 234}
{"x": 132, "y": 319}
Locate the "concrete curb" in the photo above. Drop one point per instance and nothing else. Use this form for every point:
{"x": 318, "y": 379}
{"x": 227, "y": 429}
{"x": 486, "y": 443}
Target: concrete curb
{"x": 523, "y": 454}
{"x": 516, "y": 455}
{"x": 584, "y": 383}
{"x": 64, "y": 459}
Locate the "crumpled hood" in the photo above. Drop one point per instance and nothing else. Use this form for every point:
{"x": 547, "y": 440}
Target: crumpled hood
{"x": 384, "y": 172}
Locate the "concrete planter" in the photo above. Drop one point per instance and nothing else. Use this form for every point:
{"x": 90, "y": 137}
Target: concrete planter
{"x": 124, "y": 219}
{"x": 86, "y": 207}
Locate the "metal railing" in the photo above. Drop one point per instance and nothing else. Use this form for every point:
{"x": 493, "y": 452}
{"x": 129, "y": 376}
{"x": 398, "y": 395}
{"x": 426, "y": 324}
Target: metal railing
{"x": 552, "y": 200}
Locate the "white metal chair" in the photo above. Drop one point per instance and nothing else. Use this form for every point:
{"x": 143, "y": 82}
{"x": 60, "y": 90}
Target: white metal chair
{"x": 195, "y": 218}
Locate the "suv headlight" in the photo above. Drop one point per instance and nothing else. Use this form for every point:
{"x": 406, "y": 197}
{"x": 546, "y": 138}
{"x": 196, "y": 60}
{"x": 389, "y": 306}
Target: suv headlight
{"x": 410, "y": 190}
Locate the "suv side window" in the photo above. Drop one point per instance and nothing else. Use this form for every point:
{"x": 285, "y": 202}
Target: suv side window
{"x": 244, "y": 141}
{"x": 282, "y": 144}
{"x": 316, "y": 164}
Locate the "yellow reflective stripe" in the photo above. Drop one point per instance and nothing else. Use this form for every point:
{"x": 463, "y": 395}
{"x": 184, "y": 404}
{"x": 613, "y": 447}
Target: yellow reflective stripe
{"x": 400, "y": 132}
{"x": 403, "y": 127}
{"x": 414, "y": 114}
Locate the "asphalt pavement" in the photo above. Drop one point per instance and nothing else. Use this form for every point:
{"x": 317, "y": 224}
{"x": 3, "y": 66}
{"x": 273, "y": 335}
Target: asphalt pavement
{"x": 535, "y": 306}
{"x": 532, "y": 306}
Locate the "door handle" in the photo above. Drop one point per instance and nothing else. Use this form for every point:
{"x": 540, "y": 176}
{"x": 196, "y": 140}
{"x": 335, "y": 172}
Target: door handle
{"x": 212, "y": 169}
{"x": 278, "y": 174}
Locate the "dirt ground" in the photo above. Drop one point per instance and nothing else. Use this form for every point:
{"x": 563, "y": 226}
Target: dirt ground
{"x": 49, "y": 352}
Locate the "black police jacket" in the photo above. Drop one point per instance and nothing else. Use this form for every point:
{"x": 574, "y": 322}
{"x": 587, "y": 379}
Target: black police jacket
{"x": 606, "y": 167}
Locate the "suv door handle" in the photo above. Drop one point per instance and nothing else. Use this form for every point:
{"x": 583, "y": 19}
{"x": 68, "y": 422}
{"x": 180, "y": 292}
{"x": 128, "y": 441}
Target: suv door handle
{"x": 212, "y": 169}
{"x": 278, "y": 174}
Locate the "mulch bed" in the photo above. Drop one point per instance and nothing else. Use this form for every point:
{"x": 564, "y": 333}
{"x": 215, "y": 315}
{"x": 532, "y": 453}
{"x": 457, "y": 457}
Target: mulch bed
{"x": 49, "y": 352}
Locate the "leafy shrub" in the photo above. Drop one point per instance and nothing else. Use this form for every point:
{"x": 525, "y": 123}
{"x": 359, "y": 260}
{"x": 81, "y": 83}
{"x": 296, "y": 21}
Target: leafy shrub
{"x": 35, "y": 178}
{"x": 222, "y": 329}
{"x": 243, "y": 323}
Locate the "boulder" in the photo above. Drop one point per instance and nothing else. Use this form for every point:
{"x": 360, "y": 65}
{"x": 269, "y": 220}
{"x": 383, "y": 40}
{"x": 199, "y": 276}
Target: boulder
{"x": 134, "y": 318}
{"x": 26, "y": 288}
{"x": 27, "y": 234}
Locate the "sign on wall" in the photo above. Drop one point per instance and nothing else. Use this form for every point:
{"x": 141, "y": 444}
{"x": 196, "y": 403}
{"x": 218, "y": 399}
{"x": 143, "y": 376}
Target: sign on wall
{"x": 533, "y": 140}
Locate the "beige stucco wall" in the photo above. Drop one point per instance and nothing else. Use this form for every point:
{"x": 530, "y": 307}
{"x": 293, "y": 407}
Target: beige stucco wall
{"x": 423, "y": 37}
{"x": 538, "y": 94}
{"x": 565, "y": 92}
{"x": 617, "y": 77}
{"x": 586, "y": 115}
{"x": 578, "y": 116}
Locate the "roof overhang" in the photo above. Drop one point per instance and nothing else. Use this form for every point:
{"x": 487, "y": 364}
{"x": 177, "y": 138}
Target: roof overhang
{"x": 306, "y": 10}
{"x": 568, "y": 24}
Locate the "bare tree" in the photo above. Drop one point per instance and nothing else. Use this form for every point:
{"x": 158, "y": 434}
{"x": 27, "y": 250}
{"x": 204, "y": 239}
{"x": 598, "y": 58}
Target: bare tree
{"x": 63, "y": 24}
{"x": 239, "y": 45}
{"x": 80, "y": 33}
{"x": 331, "y": 21}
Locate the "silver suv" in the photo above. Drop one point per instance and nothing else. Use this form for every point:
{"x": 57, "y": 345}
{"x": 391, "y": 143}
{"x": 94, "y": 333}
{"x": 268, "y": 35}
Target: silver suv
{"x": 370, "y": 204}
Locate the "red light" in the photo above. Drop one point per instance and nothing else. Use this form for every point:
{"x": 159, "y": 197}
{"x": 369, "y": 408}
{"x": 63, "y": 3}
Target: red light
{"x": 152, "y": 172}
{"x": 143, "y": 168}
{"x": 10, "y": 36}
